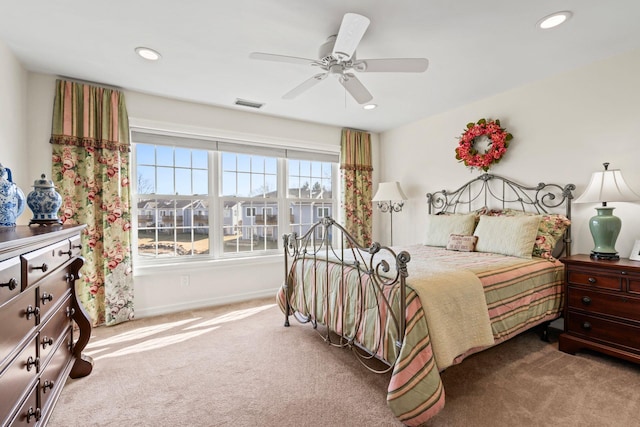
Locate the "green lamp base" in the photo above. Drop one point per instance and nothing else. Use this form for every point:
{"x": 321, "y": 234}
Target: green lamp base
{"x": 605, "y": 228}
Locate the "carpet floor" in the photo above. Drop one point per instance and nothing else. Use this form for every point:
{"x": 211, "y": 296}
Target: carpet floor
{"x": 238, "y": 366}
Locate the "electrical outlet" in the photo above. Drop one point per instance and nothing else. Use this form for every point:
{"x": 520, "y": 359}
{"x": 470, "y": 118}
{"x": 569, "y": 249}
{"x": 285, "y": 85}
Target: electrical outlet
{"x": 184, "y": 281}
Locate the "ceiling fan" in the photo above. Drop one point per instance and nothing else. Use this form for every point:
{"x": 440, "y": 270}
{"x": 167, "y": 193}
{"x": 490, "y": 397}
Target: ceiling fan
{"x": 337, "y": 57}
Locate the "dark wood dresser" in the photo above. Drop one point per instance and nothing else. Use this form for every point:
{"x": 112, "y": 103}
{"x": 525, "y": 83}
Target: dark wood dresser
{"x": 602, "y": 309}
{"x": 43, "y": 327}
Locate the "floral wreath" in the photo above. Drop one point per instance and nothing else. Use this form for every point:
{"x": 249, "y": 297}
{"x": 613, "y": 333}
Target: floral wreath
{"x": 499, "y": 141}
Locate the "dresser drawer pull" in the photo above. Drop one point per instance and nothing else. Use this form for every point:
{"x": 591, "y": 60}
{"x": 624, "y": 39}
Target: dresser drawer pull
{"x": 61, "y": 252}
{"x": 46, "y": 297}
{"x": 46, "y": 341}
{"x": 78, "y": 246}
{"x": 70, "y": 311}
{"x": 11, "y": 284}
{"x": 47, "y": 385}
{"x": 70, "y": 277}
{"x": 591, "y": 280}
{"x": 31, "y": 362}
{"x": 586, "y": 326}
{"x": 586, "y": 300}
{"x": 32, "y": 311}
{"x": 33, "y": 413}
{"x": 44, "y": 267}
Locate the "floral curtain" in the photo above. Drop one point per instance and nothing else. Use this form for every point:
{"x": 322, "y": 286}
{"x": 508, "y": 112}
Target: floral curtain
{"x": 355, "y": 165}
{"x": 90, "y": 140}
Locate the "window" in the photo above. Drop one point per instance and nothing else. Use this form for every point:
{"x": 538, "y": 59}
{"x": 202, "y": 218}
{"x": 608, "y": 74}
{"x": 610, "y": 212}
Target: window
{"x": 171, "y": 183}
{"x": 322, "y": 213}
{"x": 249, "y": 181}
{"x": 310, "y": 191}
{"x": 203, "y": 199}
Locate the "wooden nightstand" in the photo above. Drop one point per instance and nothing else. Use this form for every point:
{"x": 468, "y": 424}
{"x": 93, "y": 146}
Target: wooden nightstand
{"x": 602, "y": 307}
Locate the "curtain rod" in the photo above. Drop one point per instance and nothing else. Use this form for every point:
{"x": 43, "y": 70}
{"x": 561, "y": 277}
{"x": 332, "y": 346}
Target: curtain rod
{"x": 103, "y": 85}
{"x": 357, "y": 130}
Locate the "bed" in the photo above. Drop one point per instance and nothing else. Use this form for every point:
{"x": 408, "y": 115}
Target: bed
{"x": 485, "y": 270}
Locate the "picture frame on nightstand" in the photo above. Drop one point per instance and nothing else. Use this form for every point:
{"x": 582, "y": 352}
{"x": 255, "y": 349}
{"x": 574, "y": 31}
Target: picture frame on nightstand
{"x": 635, "y": 252}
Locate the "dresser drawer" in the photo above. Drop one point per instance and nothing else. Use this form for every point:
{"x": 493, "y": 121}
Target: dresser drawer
{"x": 29, "y": 412}
{"x": 619, "y": 334}
{"x": 52, "y": 291}
{"x": 10, "y": 280}
{"x": 623, "y": 306}
{"x": 75, "y": 244}
{"x": 52, "y": 331}
{"x": 22, "y": 371}
{"x": 15, "y": 324}
{"x": 594, "y": 278}
{"x": 41, "y": 263}
{"x": 634, "y": 285}
{"x": 53, "y": 375}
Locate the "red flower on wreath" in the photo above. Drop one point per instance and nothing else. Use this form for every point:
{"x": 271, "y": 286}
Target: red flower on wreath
{"x": 499, "y": 142}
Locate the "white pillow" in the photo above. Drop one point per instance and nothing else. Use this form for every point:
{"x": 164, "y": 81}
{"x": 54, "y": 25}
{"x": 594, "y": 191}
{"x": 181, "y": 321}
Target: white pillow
{"x": 507, "y": 235}
{"x": 440, "y": 227}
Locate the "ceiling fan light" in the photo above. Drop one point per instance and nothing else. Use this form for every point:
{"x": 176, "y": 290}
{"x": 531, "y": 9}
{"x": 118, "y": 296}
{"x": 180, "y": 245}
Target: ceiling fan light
{"x": 553, "y": 20}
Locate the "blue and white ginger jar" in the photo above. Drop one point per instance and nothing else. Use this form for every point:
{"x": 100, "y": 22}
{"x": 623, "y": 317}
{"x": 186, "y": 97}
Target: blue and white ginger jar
{"x": 11, "y": 199}
{"x": 44, "y": 201}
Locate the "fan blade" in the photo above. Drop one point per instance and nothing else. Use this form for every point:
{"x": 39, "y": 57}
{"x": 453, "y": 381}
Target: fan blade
{"x": 355, "y": 88}
{"x": 392, "y": 65}
{"x": 282, "y": 58}
{"x": 351, "y": 31}
{"x": 305, "y": 85}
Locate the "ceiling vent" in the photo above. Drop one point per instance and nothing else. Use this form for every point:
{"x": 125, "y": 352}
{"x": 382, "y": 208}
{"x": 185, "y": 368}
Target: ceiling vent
{"x": 251, "y": 104}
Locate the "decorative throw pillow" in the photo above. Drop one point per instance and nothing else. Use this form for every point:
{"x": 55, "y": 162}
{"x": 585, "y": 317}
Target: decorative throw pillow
{"x": 550, "y": 231}
{"x": 507, "y": 235}
{"x": 458, "y": 242}
{"x": 440, "y": 227}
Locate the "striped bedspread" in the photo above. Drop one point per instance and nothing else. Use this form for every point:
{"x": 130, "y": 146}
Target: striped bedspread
{"x": 519, "y": 294}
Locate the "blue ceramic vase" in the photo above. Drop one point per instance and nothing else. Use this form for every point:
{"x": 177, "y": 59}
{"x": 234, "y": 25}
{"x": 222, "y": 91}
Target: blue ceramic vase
{"x": 11, "y": 199}
{"x": 44, "y": 201}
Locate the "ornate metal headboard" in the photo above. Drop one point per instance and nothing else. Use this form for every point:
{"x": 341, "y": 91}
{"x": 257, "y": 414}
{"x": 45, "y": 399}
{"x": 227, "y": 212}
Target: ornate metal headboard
{"x": 496, "y": 192}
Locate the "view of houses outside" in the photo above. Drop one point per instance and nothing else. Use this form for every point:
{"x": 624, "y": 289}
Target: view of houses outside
{"x": 173, "y": 201}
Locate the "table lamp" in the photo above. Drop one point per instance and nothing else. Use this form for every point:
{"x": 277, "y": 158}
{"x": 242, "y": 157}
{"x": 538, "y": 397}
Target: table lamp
{"x": 606, "y": 186}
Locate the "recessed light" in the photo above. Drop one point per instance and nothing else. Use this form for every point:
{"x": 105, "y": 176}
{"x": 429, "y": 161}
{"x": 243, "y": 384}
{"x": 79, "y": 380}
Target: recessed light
{"x": 553, "y": 20}
{"x": 369, "y": 106}
{"x": 148, "y": 54}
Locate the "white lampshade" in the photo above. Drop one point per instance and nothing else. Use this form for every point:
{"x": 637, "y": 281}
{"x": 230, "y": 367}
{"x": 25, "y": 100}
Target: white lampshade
{"x": 389, "y": 191}
{"x": 607, "y": 186}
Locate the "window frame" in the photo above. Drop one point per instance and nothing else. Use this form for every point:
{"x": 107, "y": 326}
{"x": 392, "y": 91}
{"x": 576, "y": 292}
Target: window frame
{"x": 215, "y": 198}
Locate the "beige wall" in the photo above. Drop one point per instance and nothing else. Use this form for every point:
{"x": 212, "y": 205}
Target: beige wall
{"x": 13, "y": 122}
{"x": 564, "y": 128}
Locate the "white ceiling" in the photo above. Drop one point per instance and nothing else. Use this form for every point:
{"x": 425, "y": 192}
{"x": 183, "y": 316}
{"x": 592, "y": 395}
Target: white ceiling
{"x": 476, "y": 48}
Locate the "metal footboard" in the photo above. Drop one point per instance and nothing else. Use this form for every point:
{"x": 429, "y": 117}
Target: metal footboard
{"x": 319, "y": 261}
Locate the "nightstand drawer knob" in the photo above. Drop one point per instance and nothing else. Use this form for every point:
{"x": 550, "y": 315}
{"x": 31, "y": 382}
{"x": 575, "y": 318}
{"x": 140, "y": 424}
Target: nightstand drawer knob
{"x": 586, "y": 300}
{"x": 586, "y": 326}
{"x": 591, "y": 280}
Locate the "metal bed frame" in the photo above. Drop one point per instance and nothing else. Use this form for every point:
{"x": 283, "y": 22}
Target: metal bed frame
{"x": 487, "y": 190}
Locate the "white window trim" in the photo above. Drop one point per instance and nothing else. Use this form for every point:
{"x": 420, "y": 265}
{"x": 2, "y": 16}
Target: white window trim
{"x": 201, "y": 138}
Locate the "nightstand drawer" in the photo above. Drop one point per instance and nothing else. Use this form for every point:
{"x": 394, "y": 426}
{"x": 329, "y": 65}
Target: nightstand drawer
{"x": 592, "y": 278}
{"x": 606, "y": 331}
{"x": 623, "y": 306}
